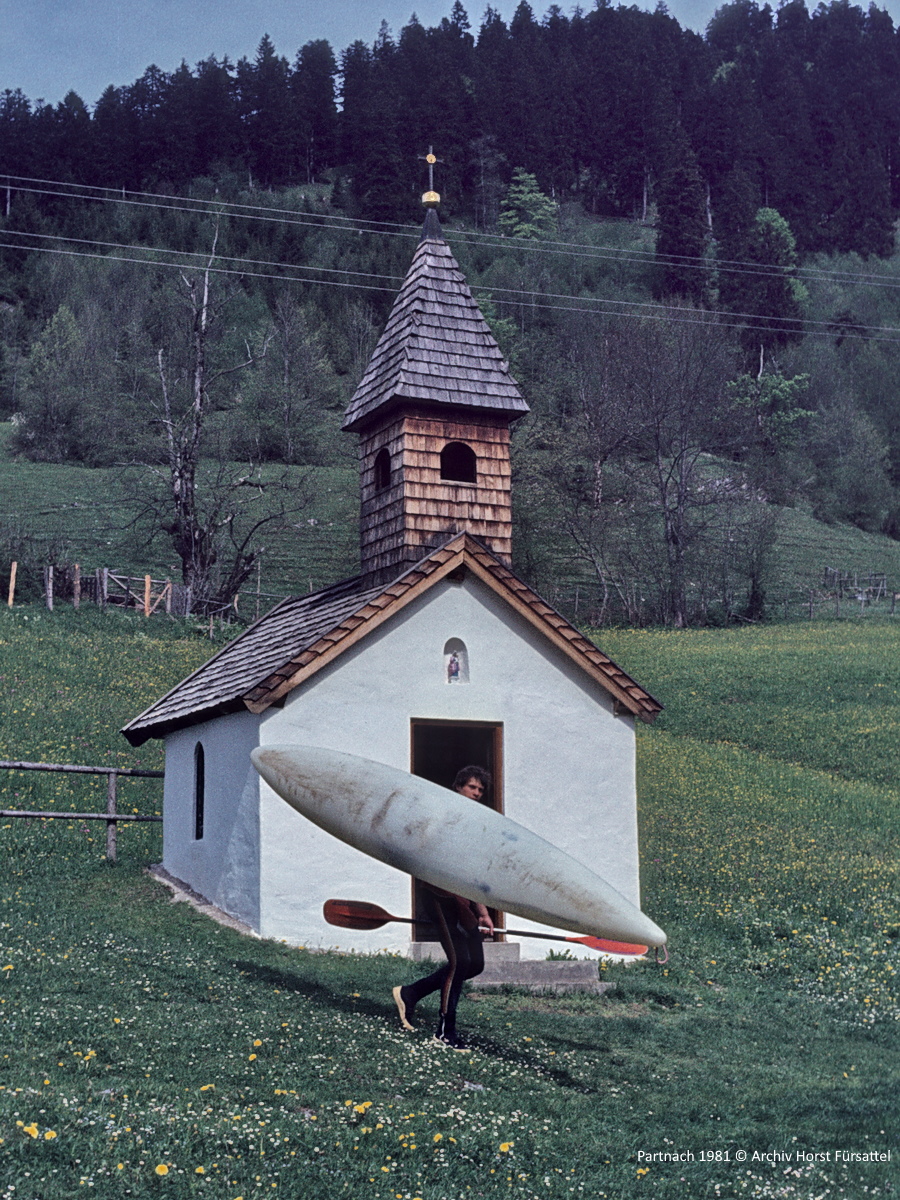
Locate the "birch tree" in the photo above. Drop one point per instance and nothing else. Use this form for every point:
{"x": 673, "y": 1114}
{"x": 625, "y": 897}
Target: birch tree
{"x": 211, "y": 510}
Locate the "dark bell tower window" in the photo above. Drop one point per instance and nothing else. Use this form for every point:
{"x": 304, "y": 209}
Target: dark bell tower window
{"x": 458, "y": 463}
{"x": 199, "y": 790}
{"x": 382, "y": 470}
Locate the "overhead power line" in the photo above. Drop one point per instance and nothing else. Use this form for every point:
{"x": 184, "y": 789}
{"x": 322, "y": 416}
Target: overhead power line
{"x": 396, "y": 229}
{"x": 290, "y": 273}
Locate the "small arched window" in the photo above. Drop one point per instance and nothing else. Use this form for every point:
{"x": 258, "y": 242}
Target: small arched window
{"x": 199, "y": 790}
{"x": 458, "y": 463}
{"x": 382, "y": 470}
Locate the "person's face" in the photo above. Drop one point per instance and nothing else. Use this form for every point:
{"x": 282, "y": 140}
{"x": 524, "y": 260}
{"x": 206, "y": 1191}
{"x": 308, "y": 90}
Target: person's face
{"x": 473, "y": 788}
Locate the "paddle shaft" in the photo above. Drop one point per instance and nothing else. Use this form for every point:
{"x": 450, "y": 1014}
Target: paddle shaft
{"x": 365, "y": 915}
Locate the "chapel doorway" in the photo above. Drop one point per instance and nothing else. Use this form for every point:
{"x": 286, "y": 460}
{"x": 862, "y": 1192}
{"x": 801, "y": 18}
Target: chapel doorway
{"x": 438, "y": 750}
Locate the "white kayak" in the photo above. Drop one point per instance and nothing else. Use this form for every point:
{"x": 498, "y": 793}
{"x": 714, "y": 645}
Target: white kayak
{"x": 449, "y": 841}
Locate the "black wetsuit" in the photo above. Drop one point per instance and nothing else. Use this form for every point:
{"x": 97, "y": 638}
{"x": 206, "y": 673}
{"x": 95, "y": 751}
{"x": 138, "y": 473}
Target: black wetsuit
{"x": 457, "y": 927}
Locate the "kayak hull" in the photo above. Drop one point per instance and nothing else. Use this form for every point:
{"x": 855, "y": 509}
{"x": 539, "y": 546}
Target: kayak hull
{"x": 450, "y": 841}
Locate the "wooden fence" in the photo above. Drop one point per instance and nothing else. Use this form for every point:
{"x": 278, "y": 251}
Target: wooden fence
{"x": 110, "y": 588}
{"x": 112, "y": 816}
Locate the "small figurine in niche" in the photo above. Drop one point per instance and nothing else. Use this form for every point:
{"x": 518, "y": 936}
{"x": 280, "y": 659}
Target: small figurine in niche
{"x": 453, "y": 668}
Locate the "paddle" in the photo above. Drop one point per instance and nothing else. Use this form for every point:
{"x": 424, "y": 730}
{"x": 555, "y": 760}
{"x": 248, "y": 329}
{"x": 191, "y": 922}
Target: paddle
{"x": 361, "y": 914}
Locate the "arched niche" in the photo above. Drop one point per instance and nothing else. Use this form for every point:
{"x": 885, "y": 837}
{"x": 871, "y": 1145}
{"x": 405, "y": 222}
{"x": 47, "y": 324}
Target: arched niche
{"x": 456, "y": 661}
{"x": 382, "y": 470}
{"x": 458, "y": 463}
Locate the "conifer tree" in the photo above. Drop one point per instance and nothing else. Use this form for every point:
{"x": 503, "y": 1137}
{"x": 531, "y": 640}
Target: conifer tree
{"x": 683, "y": 232}
{"x": 526, "y": 212}
{"x": 768, "y": 294}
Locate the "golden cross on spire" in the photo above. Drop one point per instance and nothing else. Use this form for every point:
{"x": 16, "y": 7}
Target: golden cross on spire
{"x": 430, "y": 199}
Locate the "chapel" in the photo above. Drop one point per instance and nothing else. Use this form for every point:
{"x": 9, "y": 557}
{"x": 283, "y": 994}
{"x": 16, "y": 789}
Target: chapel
{"x": 434, "y": 657}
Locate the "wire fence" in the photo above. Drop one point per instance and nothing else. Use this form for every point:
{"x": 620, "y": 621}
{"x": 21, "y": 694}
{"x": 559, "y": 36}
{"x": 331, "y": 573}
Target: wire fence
{"x": 841, "y": 595}
{"x": 605, "y": 600}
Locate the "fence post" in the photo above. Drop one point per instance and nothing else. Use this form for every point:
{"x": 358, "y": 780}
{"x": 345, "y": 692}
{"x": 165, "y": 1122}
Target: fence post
{"x": 48, "y": 586}
{"x": 12, "y": 584}
{"x": 147, "y": 586}
{"x": 76, "y": 587}
{"x": 111, "y": 812}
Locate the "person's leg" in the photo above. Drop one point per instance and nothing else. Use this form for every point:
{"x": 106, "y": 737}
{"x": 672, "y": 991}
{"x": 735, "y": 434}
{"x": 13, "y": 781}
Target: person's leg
{"x": 408, "y": 995}
{"x": 469, "y": 963}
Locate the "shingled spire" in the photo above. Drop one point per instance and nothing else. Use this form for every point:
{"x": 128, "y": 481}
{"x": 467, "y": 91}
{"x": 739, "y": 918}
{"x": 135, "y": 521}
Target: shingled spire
{"x": 433, "y": 411}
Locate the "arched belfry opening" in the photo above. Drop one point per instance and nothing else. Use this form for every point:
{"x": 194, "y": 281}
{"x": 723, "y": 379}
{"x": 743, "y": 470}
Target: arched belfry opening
{"x": 433, "y": 413}
{"x": 382, "y": 470}
{"x": 458, "y": 463}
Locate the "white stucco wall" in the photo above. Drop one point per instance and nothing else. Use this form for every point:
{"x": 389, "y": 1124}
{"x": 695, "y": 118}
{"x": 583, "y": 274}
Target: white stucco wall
{"x": 568, "y": 762}
{"x": 224, "y": 865}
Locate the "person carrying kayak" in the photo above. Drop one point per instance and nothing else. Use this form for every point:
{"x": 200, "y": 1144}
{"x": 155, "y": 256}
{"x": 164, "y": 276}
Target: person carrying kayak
{"x": 461, "y": 925}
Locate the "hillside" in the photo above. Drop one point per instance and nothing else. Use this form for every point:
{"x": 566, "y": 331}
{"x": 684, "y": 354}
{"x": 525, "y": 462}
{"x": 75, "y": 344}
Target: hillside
{"x": 148, "y": 1047}
{"x": 79, "y": 514}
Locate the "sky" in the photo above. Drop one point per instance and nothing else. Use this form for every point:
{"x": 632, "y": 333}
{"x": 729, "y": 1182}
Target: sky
{"x": 51, "y": 47}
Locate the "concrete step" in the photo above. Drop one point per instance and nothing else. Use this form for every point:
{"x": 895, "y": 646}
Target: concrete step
{"x": 558, "y": 977}
{"x": 493, "y": 952}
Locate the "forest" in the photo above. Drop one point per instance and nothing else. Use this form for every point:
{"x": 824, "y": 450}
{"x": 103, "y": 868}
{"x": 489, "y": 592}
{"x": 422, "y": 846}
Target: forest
{"x": 684, "y": 245}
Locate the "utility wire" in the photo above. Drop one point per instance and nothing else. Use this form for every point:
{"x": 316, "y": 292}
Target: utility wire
{"x": 476, "y": 237}
{"x": 150, "y": 262}
{"x": 201, "y": 254}
{"x": 529, "y": 299}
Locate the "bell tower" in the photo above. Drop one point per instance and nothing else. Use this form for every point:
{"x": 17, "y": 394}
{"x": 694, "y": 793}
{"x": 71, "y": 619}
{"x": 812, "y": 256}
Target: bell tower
{"x": 433, "y": 412}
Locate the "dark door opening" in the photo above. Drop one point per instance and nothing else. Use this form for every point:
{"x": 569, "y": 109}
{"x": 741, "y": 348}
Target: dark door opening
{"x": 438, "y": 750}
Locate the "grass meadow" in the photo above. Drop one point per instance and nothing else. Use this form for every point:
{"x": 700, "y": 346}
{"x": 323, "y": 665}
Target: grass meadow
{"x": 147, "y": 1052}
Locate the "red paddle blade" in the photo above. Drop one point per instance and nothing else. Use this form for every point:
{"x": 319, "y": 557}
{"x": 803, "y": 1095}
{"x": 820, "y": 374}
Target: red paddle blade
{"x": 355, "y": 914}
{"x": 608, "y": 947}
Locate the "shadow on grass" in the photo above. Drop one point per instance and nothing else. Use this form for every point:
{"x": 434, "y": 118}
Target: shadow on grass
{"x": 321, "y": 994}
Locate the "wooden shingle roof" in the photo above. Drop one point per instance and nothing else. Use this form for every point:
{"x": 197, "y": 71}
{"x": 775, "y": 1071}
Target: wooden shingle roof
{"x": 219, "y": 685}
{"x": 300, "y": 636}
{"x": 436, "y": 348}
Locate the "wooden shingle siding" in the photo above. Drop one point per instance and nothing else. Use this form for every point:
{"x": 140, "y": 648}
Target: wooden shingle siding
{"x": 401, "y": 523}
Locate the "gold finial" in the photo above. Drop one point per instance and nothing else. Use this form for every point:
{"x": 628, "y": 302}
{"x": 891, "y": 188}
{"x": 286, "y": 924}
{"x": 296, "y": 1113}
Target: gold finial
{"x": 431, "y": 198}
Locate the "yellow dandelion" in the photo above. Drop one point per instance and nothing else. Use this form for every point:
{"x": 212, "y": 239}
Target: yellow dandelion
{"x": 505, "y": 1147}
{"x": 438, "y": 1137}
{"x": 207, "y": 1087}
{"x": 31, "y": 1130}
{"x": 49, "y": 1135}
{"x": 252, "y": 1057}
{"x": 200, "y": 1171}
{"x": 162, "y": 1169}
{"x": 258, "y": 1042}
